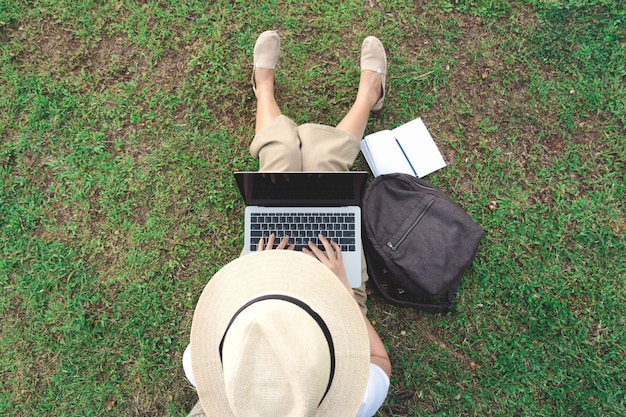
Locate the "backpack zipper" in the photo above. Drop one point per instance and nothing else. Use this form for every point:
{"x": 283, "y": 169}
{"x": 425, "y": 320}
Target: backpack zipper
{"x": 411, "y": 227}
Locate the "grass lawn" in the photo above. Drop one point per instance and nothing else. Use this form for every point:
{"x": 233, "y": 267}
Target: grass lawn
{"x": 121, "y": 122}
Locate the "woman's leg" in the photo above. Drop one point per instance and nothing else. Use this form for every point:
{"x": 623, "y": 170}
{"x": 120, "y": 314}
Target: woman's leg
{"x": 266, "y": 107}
{"x": 334, "y": 149}
{"x": 337, "y": 152}
{"x": 370, "y": 91}
{"x": 276, "y": 143}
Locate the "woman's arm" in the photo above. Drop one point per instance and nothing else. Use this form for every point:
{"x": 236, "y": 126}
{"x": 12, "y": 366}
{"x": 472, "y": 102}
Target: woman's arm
{"x": 378, "y": 353}
{"x": 333, "y": 260}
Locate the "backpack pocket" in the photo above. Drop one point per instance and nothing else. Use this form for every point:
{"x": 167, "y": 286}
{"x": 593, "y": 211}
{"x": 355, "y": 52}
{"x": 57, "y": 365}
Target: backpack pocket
{"x": 396, "y": 241}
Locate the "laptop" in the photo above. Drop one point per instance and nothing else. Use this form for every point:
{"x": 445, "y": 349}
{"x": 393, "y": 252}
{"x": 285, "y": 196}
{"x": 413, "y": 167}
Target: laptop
{"x": 302, "y": 205}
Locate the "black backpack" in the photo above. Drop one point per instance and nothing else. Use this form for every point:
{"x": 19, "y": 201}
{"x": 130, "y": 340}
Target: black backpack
{"x": 417, "y": 241}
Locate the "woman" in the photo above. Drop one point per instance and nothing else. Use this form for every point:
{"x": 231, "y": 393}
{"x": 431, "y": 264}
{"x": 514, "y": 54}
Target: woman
{"x": 278, "y": 332}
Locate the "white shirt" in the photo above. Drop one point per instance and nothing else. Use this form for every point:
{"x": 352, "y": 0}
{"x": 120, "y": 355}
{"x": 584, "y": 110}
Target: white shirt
{"x": 375, "y": 394}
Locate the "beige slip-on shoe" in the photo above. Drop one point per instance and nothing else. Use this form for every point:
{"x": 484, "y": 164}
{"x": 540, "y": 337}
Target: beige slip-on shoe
{"x": 266, "y": 51}
{"x": 374, "y": 58}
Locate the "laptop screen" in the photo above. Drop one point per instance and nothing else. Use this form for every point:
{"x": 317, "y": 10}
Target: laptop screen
{"x": 304, "y": 189}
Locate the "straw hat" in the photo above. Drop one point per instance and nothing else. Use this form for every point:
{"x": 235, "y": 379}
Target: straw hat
{"x": 275, "y": 333}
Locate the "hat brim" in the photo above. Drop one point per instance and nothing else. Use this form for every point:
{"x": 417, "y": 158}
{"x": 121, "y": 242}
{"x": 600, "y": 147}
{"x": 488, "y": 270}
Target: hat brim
{"x": 293, "y": 274}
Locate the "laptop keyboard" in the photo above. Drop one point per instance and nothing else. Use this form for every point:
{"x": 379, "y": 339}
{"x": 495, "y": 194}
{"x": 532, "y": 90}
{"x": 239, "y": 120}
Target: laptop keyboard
{"x": 304, "y": 227}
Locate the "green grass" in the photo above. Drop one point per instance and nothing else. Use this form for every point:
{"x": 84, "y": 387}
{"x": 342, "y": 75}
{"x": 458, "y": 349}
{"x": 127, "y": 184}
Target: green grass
{"x": 122, "y": 122}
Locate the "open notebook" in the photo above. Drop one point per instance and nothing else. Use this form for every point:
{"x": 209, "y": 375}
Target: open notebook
{"x": 408, "y": 149}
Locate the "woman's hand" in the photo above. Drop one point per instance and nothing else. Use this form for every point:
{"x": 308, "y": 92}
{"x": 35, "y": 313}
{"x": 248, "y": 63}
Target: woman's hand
{"x": 331, "y": 258}
{"x": 270, "y": 243}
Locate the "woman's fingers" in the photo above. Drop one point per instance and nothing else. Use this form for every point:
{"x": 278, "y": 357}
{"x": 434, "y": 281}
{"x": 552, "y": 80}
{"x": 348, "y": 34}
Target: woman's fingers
{"x": 283, "y": 244}
{"x": 327, "y": 247}
{"x": 331, "y": 257}
{"x": 331, "y": 253}
{"x": 337, "y": 248}
{"x": 332, "y": 248}
{"x": 270, "y": 241}
{"x": 316, "y": 251}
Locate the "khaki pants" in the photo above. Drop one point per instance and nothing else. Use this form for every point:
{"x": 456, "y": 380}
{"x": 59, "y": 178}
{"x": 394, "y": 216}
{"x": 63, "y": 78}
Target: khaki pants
{"x": 284, "y": 146}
